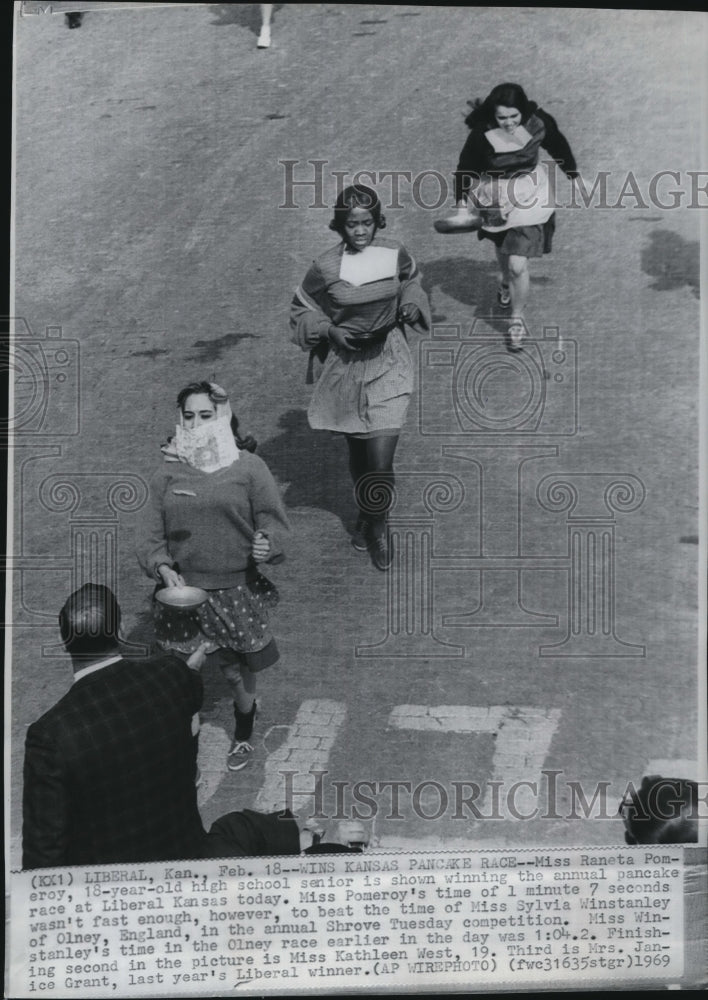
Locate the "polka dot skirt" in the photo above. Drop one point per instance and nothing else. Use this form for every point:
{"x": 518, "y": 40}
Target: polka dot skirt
{"x": 232, "y": 618}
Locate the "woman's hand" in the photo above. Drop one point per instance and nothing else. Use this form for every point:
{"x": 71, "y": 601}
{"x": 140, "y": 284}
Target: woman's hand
{"x": 409, "y": 313}
{"x": 260, "y": 548}
{"x": 170, "y": 577}
{"x": 342, "y": 339}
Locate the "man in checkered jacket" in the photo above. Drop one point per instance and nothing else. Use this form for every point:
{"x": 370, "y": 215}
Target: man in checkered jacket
{"x": 110, "y": 769}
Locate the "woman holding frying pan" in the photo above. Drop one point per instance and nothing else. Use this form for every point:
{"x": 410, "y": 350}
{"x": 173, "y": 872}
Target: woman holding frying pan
{"x": 214, "y": 516}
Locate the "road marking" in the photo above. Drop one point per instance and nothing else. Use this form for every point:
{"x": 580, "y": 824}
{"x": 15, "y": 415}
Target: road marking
{"x": 681, "y": 768}
{"x": 447, "y": 718}
{"x": 214, "y": 744}
{"x": 306, "y": 748}
{"x": 523, "y": 739}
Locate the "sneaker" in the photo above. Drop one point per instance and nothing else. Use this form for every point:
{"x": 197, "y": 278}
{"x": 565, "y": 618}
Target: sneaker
{"x": 503, "y": 296}
{"x": 238, "y": 755}
{"x": 382, "y": 552}
{"x": 517, "y": 333}
{"x": 264, "y": 38}
{"x": 359, "y": 538}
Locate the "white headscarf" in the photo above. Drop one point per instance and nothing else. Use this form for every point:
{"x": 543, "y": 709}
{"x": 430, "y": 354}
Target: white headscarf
{"x": 210, "y": 446}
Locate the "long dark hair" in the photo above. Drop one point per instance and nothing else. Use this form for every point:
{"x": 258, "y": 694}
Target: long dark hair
{"x": 356, "y": 196}
{"x": 246, "y": 443}
{"x": 510, "y": 95}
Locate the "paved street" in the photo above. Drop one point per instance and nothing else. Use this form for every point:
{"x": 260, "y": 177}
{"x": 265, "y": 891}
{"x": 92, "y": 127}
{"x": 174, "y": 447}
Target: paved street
{"x": 542, "y": 613}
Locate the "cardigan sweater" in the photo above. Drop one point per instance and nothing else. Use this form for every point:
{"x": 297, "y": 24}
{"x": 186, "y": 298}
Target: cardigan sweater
{"x": 204, "y": 523}
{"x": 325, "y": 299}
{"x": 478, "y": 157}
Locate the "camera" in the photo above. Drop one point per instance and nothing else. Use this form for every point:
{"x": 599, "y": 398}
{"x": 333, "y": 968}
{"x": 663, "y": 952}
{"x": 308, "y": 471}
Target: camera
{"x": 44, "y": 377}
{"x": 471, "y": 384}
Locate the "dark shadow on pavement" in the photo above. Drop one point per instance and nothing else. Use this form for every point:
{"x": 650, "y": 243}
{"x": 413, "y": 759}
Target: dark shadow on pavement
{"x": 473, "y": 283}
{"x": 247, "y": 15}
{"x": 212, "y": 350}
{"x": 470, "y": 282}
{"x": 672, "y": 261}
{"x": 292, "y": 456}
{"x": 153, "y": 352}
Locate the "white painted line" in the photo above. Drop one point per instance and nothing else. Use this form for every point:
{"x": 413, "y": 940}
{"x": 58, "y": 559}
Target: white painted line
{"x": 447, "y": 718}
{"x": 523, "y": 739}
{"x": 306, "y": 748}
{"x": 504, "y": 836}
{"x": 682, "y": 768}
{"x": 521, "y": 748}
{"x": 214, "y": 744}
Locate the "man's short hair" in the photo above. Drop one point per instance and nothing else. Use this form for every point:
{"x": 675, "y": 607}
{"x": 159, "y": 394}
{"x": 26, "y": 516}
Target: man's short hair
{"x": 90, "y": 620}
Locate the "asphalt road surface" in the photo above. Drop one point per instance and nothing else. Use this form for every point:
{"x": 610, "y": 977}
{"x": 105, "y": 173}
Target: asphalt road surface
{"x": 542, "y": 614}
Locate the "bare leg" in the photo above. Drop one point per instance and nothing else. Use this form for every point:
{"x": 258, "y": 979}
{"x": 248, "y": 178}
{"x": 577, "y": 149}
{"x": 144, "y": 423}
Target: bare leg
{"x": 266, "y": 15}
{"x": 519, "y": 283}
{"x": 242, "y": 684}
{"x": 504, "y": 293}
{"x": 248, "y": 680}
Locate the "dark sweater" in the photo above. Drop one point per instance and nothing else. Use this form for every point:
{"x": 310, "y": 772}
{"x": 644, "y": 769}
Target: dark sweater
{"x": 478, "y": 157}
{"x": 205, "y": 522}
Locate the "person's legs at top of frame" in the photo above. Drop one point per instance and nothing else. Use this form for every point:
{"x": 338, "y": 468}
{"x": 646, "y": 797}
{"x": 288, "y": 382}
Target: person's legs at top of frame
{"x": 266, "y": 16}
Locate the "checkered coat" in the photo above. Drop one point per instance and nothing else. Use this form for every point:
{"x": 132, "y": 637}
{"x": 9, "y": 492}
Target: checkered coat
{"x": 109, "y": 770}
